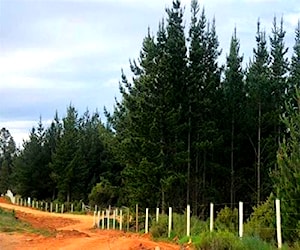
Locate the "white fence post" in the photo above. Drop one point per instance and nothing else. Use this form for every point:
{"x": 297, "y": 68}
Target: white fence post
{"x": 96, "y": 208}
{"x": 188, "y": 220}
{"x": 211, "y": 224}
{"x": 121, "y": 219}
{"x": 278, "y": 223}
{"x": 32, "y": 204}
{"x": 94, "y": 222}
{"x": 37, "y": 204}
{"x": 241, "y": 219}
{"x": 114, "y": 219}
{"x": 46, "y": 207}
{"x": 157, "y": 214}
{"x": 147, "y": 221}
{"x": 102, "y": 226}
{"x": 170, "y": 222}
{"x": 51, "y": 207}
{"x": 62, "y": 208}
{"x": 98, "y": 219}
{"x": 107, "y": 218}
{"x": 56, "y": 208}
{"x": 72, "y": 208}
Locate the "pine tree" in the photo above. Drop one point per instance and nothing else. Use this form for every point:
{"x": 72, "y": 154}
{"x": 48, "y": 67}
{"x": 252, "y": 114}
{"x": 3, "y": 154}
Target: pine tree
{"x": 278, "y": 79}
{"x": 31, "y": 169}
{"x": 7, "y": 155}
{"x": 148, "y": 117}
{"x": 287, "y": 177}
{"x": 67, "y": 160}
{"x": 195, "y": 80}
{"x": 234, "y": 93}
{"x": 294, "y": 79}
{"x": 258, "y": 81}
{"x": 203, "y": 85}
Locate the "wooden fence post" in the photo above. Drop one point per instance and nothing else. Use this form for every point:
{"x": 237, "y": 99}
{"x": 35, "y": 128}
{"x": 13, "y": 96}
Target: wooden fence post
{"x": 137, "y": 217}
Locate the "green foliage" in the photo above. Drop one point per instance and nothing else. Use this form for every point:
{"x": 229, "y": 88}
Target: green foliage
{"x": 287, "y": 176}
{"x": 7, "y": 155}
{"x": 32, "y": 172}
{"x": 227, "y": 240}
{"x": 262, "y": 221}
{"x": 160, "y": 229}
{"x": 218, "y": 241}
{"x": 255, "y": 243}
{"x": 103, "y": 194}
{"x": 227, "y": 219}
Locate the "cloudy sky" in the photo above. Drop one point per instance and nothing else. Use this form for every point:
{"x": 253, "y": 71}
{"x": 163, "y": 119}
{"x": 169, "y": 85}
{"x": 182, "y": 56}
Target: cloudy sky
{"x": 57, "y": 52}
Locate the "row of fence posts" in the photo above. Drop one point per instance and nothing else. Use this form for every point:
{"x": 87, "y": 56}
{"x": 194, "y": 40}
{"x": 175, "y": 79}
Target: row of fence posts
{"x": 46, "y": 206}
{"x": 188, "y": 221}
{"x": 38, "y": 205}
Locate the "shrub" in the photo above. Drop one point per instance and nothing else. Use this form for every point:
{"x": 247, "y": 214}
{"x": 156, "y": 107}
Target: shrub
{"x": 255, "y": 243}
{"x": 262, "y": 221}
{"x": 103, "y": 194}
{"x": 160, "y": 229}
{"x": 227, "y": 219}
{"x": 219, "y": 240}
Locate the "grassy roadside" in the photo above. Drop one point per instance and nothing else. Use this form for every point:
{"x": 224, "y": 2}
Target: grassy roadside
{"x": 10, "y": 223}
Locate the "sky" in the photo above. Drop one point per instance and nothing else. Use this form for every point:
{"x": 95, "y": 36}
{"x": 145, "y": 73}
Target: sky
{"x": 54, "y": 53}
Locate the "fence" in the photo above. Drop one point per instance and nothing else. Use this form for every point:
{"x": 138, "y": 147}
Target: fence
{"x": 122, "y": 218}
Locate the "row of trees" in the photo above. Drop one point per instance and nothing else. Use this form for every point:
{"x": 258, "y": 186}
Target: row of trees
{"x": 61, "y": 162}
{"x": 186, "y": 130}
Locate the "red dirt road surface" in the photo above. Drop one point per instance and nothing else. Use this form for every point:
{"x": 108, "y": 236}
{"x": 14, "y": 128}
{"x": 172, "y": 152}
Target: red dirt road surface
{"x": 72, "y": 232}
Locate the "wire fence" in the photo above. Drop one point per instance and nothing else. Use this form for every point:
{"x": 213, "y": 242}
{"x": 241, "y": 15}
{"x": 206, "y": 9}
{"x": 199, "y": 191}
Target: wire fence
{"x": 234, "y": 217}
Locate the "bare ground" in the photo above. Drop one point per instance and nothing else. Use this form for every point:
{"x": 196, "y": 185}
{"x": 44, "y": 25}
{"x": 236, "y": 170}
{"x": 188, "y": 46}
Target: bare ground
{"x": 72, "y": 231}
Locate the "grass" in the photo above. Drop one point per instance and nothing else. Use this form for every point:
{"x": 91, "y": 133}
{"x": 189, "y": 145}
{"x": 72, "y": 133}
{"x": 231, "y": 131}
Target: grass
{"x": 202, "y": 238}
{"x": 10, "y": 223}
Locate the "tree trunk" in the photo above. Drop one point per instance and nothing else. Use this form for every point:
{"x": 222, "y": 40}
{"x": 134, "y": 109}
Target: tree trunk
{"x": 163, "y": 203}
{"x": 204, "y": 178}
{"x": 68, "y": 196}
{"x": 232, "y": 164}
{"x": 258, "y": 153}
{"x": 189, "y": 159}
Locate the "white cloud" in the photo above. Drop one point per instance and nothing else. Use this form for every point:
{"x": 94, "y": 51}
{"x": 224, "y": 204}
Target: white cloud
{"x": 111, "y": 83}
{"x": 20, "y": 129}
{"x": 293, "y": 18}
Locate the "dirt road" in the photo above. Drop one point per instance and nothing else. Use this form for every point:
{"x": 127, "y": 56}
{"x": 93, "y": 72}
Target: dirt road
{"x": 73, "y": 232}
